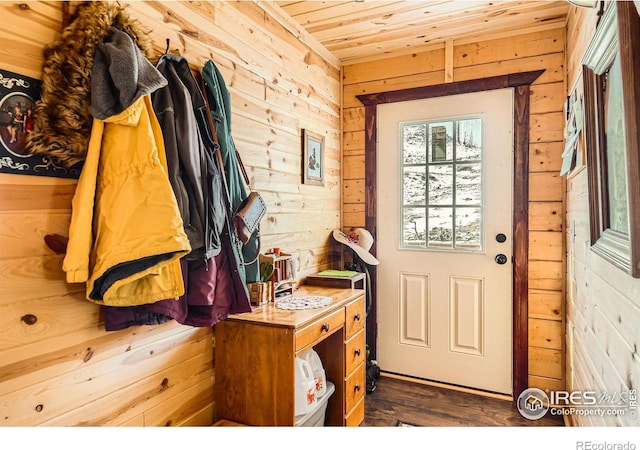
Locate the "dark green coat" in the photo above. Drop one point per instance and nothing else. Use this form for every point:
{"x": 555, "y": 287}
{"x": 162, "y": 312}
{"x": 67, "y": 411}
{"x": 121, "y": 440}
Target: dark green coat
{"x": 220, "y": 104}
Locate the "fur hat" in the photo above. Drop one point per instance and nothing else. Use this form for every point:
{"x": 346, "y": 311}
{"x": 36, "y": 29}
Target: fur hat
{"x": 62, "y": 121}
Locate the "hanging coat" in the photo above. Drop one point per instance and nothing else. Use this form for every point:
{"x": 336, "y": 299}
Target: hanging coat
{"x": 126, "y": 235}
{"x": 220, "y": 104}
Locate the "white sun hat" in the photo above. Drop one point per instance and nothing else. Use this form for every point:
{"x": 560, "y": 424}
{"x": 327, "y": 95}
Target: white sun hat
{"x": 360, "y": 240}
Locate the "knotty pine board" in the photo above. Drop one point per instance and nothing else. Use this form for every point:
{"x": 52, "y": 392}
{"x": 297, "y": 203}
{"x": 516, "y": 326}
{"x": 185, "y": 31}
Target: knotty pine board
{"x": 545, "y": 383}
{"x": 547, "y": 305}
{"x": 546, "y": 246}
{"x": 546, "y": 216}
{"x": 545, "y": 362}
{"x": 546, "y": 275}
{"x": 545, "y": 334}
{"x": 543, "y": 156}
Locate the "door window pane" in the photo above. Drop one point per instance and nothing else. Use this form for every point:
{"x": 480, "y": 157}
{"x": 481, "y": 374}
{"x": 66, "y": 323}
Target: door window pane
{"x": 415, "y": 179}
{"x": 469, "y": 184}
{"x": 414, "y": 143}
{"x": 442, "y": 184}
{"x": 414, "y": 223}
{"x": 440, "y": 227}
{"x": 440, "y": 141}
{"x": 468, "y": 139}
{"x": 469, "y": 228}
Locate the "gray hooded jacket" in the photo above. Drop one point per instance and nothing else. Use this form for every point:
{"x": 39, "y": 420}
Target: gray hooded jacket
{"x": 192, "y": 173}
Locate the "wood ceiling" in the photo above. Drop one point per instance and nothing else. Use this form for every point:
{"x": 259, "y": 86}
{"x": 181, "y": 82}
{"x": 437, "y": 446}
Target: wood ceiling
{"x": 357, "y": 31}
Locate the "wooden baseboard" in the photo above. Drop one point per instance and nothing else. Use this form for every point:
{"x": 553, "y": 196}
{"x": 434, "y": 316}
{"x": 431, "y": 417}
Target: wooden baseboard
{"x": 448, "y": 386}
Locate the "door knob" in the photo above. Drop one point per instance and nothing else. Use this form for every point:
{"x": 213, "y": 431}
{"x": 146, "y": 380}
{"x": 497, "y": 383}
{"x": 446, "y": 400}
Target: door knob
{"x": 501, "y": 259}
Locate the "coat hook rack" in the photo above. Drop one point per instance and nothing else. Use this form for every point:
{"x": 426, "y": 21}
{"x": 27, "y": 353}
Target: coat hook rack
{"x": 166, "y": 51}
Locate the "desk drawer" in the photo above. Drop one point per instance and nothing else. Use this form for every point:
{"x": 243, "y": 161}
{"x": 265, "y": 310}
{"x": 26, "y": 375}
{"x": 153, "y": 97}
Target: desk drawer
{"x": 355, "y": 351}
{"x": 314, "y": 331}
{"x": 355, "y": 317}
{"x": 356, "y": 416}
{"x": 355, "y": 387}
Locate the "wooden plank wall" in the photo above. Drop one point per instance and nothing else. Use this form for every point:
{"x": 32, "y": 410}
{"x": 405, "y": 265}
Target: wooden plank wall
{"x": 603, "y": 303}
{"x": 543, "y": 49}
{"x": 64, "y": 369}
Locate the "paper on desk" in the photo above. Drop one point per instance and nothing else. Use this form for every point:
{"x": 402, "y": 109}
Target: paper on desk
{"x": 338, "y": 273}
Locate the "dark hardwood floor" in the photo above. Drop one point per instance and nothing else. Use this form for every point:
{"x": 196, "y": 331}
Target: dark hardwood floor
{"x": 422, "y": 405}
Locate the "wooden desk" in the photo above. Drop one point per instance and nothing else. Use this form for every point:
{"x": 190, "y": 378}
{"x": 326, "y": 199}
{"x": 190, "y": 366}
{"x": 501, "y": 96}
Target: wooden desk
{"x": 255, "y": 359}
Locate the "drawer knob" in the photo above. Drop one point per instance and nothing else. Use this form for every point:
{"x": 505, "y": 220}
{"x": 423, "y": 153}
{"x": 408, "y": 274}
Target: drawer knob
{"x": 357, "y": 352}
{"x": 356, "y": 388}
{"x": 325, "y": 326}
{"x": 357, "y": 316}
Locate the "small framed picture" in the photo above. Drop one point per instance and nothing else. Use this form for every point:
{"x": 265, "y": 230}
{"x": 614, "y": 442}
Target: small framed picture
{"x": 312, "y": 158}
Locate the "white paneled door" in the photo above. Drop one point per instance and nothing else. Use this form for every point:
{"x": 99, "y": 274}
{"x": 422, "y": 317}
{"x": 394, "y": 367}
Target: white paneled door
{"x": 444, "y": 239}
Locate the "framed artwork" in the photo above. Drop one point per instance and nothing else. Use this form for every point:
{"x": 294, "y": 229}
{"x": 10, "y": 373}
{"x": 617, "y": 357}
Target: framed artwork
{"x": 312, "y": 158}
{"x": 18, "y": 97}
{"x": 611, "y": 67}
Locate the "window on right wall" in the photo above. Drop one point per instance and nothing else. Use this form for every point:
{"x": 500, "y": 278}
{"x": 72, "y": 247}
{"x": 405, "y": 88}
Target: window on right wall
{"x": 611, "y": 73}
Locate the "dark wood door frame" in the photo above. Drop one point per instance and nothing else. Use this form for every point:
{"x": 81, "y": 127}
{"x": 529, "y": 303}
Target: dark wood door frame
{"x": 520, "y": 82}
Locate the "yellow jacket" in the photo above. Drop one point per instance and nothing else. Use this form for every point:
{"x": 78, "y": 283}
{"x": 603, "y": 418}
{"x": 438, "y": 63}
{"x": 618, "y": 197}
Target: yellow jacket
{"x": 126, "y": 236}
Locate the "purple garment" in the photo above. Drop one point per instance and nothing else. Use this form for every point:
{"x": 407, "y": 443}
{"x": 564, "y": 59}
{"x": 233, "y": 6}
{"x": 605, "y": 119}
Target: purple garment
{"x": 119, "y": 318}
{"x": 210, "y": 296}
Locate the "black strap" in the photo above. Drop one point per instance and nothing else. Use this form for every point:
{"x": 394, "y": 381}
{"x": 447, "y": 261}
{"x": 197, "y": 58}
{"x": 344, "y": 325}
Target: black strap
{"x": 244, "y": 172}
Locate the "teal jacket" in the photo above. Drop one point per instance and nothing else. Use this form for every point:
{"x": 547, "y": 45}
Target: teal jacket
{"x": 220, "y": 105}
